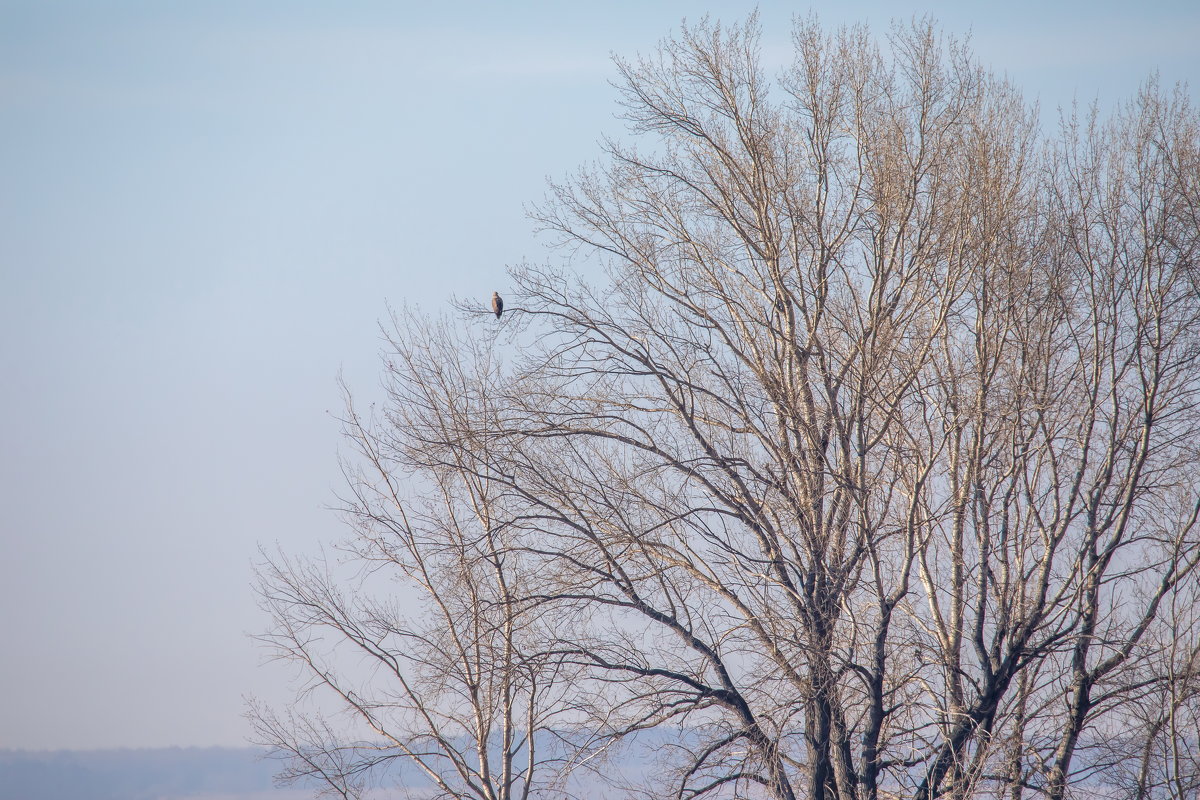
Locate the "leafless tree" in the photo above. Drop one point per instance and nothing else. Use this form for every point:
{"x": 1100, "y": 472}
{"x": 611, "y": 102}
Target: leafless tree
{"x": 454, "y": 688}
{"x": 851, "y": 453}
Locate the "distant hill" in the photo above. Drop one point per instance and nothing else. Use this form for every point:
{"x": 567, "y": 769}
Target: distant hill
{"x": 218, "y": 773}
{"x": 175, "y": 773}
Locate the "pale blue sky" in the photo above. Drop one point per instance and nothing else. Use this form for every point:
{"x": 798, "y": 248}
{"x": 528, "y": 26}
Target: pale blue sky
{"x": 204, "y": 208}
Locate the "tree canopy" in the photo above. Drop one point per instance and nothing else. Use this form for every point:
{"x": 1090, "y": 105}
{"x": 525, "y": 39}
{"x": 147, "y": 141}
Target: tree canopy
{"x": 848, "y": 449}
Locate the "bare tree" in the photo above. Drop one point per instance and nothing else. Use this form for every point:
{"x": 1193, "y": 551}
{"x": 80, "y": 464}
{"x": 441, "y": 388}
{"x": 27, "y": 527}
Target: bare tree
{"x": 858, "y": 455}
{"x": 1154, "y": 751}
{"x": 457, "y": 693}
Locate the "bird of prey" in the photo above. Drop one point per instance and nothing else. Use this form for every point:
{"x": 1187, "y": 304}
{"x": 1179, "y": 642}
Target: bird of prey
{"x": 497, "y": 304}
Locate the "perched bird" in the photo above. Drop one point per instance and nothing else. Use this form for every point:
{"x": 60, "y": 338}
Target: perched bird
{"x": 497, "y": 304}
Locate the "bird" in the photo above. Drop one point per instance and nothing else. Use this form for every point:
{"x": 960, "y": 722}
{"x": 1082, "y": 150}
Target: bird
{"x": 497, "y": 304}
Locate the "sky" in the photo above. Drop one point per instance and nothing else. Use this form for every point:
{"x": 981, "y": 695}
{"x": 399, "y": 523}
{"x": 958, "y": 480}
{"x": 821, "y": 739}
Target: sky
{"x": 206, "y": 209}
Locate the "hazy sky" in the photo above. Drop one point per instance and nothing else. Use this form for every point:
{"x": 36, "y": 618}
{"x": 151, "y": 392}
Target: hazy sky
{"x": 204, "y": 210}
